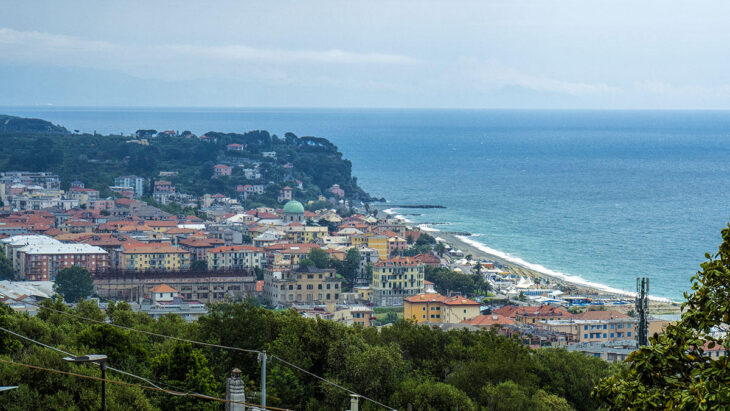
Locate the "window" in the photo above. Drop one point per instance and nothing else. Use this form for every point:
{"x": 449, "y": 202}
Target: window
{"x": 628, "y": 334}
{"x": 465, "y": 312}
{"x": 604, "y": 335}
{"x": 604, "y": 326}
{"x": 585, "y": 327}
{"x": 423, "y": 308}
{"x": 611, "y": 335}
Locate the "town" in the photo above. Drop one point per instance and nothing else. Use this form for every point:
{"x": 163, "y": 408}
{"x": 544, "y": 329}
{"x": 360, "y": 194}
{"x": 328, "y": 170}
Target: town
{"x": 354, "y": 265}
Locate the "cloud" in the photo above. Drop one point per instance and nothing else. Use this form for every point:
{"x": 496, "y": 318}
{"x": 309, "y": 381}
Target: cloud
{"x": 155, "y": 60}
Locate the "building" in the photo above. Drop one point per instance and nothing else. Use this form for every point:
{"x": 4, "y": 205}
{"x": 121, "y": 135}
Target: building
{"x": 436, "y": 308}
{"x": 222, "y": 170}
{"x": 533, "y": 315}
{"x": 134, "y": 182}
{"x": 378, "y": 243}
{"x": 309, "y": 285}
{"x": 146, "y": 257}
{"x": 285, "y": 194}
{"x": 163, "y": 189}
{"x": 396, "y": 279}
{"x": 595, "y": 326}
{"x": 336, "y": 190}
{"x": 83, "y": 195}
{"x": 293, "y": 212}
{"x": 489, "y": 321}
{"x": 191, "y": 286}
{"x": 43, "y": 262}
{"x": 235, "y": 257}
{"x": 234, "y": 147}
{"x": 166, "y": 300}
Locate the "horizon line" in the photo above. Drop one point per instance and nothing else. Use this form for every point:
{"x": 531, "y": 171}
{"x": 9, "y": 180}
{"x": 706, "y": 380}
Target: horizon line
{"x": 147, "y": 107}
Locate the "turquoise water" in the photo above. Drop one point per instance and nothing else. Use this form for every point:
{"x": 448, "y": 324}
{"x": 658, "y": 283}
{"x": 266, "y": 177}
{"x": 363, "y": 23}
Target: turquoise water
{"x": 603, "y": 195}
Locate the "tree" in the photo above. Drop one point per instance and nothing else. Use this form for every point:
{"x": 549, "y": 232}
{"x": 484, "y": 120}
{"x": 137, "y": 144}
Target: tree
{"x": 318, "y": 257}
{"x": 673, "y": 372}
{"x": 478, "y": 268}
{"x": 199, "y": 265}
{"x": 351, "y": 265}
{"x": 6, "y": 268}
{"x": 440, "y": 248}
{"x": 74, "y": 284}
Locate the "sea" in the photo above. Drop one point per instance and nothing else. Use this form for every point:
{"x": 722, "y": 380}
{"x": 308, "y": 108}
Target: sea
{"x": 599, "y": 196}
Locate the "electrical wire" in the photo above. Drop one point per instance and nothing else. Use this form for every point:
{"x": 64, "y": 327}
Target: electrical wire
{"x": 204, "y": 344}
{"x": 145, "y": 387}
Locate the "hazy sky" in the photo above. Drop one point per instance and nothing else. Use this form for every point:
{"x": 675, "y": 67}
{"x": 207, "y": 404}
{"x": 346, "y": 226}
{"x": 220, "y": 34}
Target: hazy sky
{"x": 492, "y": 54}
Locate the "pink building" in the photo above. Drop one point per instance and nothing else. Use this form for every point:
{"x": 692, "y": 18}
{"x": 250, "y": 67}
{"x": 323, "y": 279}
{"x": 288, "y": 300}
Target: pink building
{"x": 336, "y": 190}
{"x": 164, "y": 186}
{"x": 285, "y": 194}
{"x": 220, "y": 170}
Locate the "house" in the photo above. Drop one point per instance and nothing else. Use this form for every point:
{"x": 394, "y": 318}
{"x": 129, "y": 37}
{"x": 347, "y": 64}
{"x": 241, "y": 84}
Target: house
{"x": 285, "y": 194}
{"x": 234, "y": 147}
{"x": 222, "y": 170}
{"x": 336, "y": 190}
{"x": 533, "y": 315}
{"x": 436, "y": 308}
{"x": 166, "y": 300}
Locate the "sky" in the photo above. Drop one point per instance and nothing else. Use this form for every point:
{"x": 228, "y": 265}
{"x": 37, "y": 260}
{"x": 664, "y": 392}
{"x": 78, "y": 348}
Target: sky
{"x": 586, "y": 54}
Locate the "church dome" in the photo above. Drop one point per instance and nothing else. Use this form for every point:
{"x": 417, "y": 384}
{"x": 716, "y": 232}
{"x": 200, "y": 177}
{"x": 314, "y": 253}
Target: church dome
{"x": 293, "y": 207}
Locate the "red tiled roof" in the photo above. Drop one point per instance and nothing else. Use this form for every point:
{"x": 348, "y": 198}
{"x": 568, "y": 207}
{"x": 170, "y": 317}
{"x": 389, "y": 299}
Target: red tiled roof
{"x": 601, "y": 315}
{"x": 229, "y": 248}
{"x": 459, "y": 300}
{"x": 487, "y": 320}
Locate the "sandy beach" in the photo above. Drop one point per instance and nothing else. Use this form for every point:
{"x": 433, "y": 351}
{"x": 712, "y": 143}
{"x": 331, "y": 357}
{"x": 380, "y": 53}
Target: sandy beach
{"x": 659, "y": 306}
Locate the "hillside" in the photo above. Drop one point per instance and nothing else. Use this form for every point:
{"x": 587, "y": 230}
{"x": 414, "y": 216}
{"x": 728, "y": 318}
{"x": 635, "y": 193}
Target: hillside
{"x": 97, "y": 160}
{"x": 12, "y": 124}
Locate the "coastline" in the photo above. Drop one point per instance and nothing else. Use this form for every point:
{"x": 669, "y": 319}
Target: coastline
{"x": 461, "y": 242}
{"x": 575, "y": 285}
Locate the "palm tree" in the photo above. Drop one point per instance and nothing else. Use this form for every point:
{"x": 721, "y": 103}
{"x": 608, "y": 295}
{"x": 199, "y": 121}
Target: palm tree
{"x": 478, "y": 268}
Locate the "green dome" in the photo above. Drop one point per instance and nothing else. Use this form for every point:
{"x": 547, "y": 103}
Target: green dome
{"x": 293, "y": 207}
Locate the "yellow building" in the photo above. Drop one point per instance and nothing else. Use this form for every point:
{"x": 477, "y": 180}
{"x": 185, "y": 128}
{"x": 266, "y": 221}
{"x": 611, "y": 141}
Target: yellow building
{"x": 144, "y": 257}
{"x": 379, "y": 243}
{"x": 396, "y": 279}
{"x": 435, "y": 308}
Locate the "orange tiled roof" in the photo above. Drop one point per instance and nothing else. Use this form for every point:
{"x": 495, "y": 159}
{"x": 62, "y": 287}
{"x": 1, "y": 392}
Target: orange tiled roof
{"x": 163, "y": 288}
{"x": 426, "y": 298}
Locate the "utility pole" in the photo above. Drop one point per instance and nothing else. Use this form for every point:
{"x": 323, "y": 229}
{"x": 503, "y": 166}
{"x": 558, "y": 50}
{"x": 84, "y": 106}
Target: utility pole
{"x": 642, "y": 311}
{"x": 262, "y": 359}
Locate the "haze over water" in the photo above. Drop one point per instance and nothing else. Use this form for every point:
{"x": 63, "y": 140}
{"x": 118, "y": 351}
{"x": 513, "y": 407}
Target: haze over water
{"x": 604, "y": 195}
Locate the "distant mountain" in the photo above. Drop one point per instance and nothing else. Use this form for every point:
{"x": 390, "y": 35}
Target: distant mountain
{"x": 12, "y": 124}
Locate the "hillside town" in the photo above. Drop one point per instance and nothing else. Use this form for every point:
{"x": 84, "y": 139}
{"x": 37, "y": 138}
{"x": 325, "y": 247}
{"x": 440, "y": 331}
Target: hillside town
{"x": 355, "y": 266}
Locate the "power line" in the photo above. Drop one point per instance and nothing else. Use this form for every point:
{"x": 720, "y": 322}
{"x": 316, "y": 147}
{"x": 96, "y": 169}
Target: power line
{"x": 225, "y": 347}
{"x": 145, "y": 387}
{"x": 74, "y": 355}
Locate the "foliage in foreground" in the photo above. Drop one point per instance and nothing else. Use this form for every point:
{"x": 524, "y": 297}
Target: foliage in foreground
{"x": 404, "y": 363}
{"x": 673, "y": 372}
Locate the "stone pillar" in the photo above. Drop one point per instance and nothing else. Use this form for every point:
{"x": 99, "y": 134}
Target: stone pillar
{"x": 235, "y": 392}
